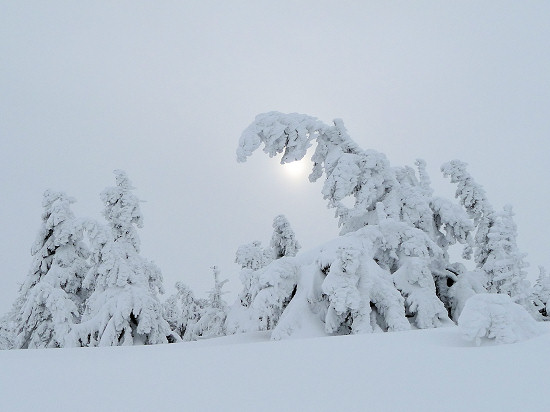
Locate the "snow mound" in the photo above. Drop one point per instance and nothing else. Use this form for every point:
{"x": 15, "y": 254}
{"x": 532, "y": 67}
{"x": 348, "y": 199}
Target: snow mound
{"x": 496, "y": 316}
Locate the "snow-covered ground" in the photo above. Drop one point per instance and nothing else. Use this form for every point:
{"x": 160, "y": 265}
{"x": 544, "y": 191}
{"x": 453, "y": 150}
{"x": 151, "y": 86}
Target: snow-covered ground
{"x": 417, "y": 370}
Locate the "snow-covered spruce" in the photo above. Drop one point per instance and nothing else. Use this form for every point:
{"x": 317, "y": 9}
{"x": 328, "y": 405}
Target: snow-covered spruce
{"x": 496, "y": 316}
{"x": 366, "y": 191}
{"x": 51, "y": 299}
{"x": 194, "y": 319}
{"x": 123, "y": 308}
{"x": 504, "y": 263}
{"x": 496, "y": 253}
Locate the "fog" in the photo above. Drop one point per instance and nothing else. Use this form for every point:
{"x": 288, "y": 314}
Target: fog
{"x": 164, "y": 91}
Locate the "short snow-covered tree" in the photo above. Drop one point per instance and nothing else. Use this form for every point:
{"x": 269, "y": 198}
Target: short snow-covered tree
{"x": 211, "y": 322}
{"x": 268, "y": 279}
{"x": 541, "y": 293}
{"x": 50, "y": 300}
{"x": 123, "y": 308}
{"x": 283, "y": 241}
{"x": 181, "y": 311}
{"x": 496, "y": 316}
{"x": 251, "y": 257}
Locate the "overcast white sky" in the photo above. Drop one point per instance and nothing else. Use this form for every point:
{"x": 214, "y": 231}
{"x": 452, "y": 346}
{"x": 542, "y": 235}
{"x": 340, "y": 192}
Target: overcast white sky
{"x": 164, "y": 89}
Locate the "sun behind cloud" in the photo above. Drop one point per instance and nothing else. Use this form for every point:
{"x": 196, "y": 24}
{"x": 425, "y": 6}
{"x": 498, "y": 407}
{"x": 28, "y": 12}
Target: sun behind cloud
{"x": 297, "y": 169}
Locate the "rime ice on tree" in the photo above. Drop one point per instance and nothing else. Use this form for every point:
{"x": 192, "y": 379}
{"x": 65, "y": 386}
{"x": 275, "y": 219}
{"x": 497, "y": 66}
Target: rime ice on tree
{"x": 123, "y": 308}
{"x": 283, "y": 241}
{"x": 496, "y": 252}
{"x": 269, "y": 280}
{"x": 407, "y": 265}
{"x": 541, "y": 293}
{"x": 212, "y": 318}
{"x": 51, "y": 299}
{"x": 182, "y": 311}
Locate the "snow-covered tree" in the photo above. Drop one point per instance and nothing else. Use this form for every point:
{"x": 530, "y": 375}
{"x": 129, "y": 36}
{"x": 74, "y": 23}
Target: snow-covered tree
{"x": 182, "y": 311}
{"x": 363, "y": 176}
{"x": 211, "y": 322}
{"x": 123, "y": 308}
{"x": 541, "y": 293}
{"x": 283, "y": 241}
{"x": 51, "y": 299}
{"x": 276, "y": 287}
{"x": 496, "y": 316}
{"x": 504, "y": 263}
{"x": 346, "y": 308}
{"x": 268, "y": 279}
{"x": 496, "y": 252}
{"x": 251, "y": 257}
{"x": 468, "y": 283}
{"x": 374, "y": 279}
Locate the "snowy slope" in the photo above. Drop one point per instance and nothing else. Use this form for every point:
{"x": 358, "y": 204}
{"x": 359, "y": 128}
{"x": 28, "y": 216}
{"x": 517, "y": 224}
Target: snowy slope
{"x": 414, "y": 370}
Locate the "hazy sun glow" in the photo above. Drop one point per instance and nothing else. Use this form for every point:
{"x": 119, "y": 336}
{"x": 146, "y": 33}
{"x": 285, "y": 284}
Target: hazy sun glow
{"x": 296, "y": 170}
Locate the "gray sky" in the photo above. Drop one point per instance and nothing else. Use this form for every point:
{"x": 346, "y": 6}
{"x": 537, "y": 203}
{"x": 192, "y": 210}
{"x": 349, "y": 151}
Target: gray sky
{"x": 164, "y": 90}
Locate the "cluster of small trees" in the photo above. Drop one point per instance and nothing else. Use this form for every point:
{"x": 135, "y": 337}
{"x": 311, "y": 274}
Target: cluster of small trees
{"x": 389, "y": 269}
{"x": 88, "y": 284}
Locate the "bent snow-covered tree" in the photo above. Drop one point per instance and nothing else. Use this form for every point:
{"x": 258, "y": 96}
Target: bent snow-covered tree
{"x": 51, "y": 299}
{"x": 123, "y": 308}
{"x": 366, "y": 192}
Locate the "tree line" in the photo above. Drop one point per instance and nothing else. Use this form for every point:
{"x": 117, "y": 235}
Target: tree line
{"x": 389, "y": 269}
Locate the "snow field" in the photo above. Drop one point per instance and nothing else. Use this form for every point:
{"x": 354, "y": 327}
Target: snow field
{"x": 417, "y": 370}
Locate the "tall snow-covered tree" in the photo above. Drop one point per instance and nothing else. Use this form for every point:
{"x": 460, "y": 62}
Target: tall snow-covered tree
{"x": 472, "y": 196}
{"x": 50, "y": 300}
{"x": 123, "y": 308}
{"x": 504, "y": 263}
{"x": 283, "y": 241}
{"x": 366, "y": 192}
{"x": 496, "y": 252}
